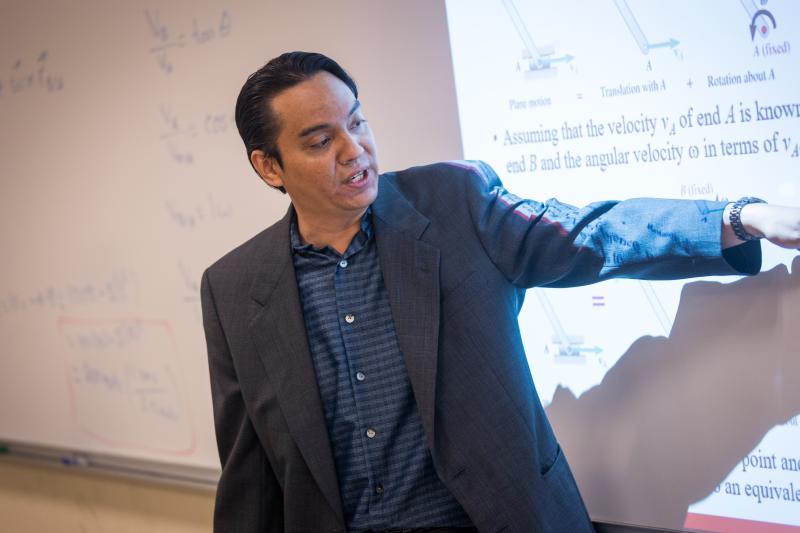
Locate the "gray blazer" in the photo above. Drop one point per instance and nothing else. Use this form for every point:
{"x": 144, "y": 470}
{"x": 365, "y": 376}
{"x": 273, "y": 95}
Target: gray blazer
{"x": 456, "y": 252}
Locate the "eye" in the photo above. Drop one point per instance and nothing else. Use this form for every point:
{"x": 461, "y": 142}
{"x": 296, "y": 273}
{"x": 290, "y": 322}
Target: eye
{"x": 357, "y": 123}
{"x": 322, "y": 143}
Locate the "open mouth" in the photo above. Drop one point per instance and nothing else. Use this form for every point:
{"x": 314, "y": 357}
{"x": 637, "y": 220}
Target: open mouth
{"x": 361, "y": 176}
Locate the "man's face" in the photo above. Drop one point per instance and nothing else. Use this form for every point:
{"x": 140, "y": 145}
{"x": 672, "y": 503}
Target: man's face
{"x": 329, "y": 164}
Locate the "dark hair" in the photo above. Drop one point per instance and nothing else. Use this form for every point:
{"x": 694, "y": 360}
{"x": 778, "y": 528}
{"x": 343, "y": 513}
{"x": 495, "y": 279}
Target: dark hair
{"x": 257, "y": 123}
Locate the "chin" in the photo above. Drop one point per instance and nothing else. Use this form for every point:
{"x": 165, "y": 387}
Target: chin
{"x": 371, "y": 189}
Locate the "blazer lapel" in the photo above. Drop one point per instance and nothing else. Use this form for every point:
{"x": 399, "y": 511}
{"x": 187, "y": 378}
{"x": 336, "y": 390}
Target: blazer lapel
{"x": 279, "y": 334}
{"x": 410, "y": 270}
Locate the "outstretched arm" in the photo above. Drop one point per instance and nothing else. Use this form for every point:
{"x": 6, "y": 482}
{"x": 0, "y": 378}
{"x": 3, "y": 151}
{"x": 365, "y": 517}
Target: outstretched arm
{"x": 551, "y": 244}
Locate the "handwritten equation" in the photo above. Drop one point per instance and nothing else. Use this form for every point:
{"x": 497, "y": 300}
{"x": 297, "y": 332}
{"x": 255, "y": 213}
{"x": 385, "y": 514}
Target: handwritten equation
{"x": 190, "y": 217}
{"x": 191, "y": 283}
{"x": 180, "y": 131}
{"x": 122, "y": 376}
{"x": 167, "y": 39}
{"x": 117, "y": 287}
{"x": 191, "y": 290}
{"x": 29, "y": 76}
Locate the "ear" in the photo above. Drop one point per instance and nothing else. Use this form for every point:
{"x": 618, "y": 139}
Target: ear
{"x": 267, "y": 167}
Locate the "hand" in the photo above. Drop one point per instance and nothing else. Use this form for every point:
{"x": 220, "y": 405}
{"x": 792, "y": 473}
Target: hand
{"x": 780, "y": 225}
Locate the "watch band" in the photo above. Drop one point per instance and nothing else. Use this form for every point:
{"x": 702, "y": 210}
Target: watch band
{"x": 736, "y": 220}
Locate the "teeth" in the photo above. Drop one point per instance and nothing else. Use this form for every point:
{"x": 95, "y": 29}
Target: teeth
{"x": 358, "y": 177}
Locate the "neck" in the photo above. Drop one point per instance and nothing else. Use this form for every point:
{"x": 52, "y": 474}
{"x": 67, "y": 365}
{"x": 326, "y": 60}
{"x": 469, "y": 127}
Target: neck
{"x": 336, "y": 235}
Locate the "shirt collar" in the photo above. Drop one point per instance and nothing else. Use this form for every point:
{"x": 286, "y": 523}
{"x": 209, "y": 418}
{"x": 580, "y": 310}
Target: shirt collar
{"x": 361, "y": 238}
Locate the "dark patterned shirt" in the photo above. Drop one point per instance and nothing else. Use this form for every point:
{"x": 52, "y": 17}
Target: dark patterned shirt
{"x": 384, "y": 467}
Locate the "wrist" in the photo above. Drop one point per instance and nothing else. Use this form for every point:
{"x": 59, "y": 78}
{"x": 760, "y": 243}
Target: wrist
{"x": 743, "y": 218}
{"x": 752, "y": 217}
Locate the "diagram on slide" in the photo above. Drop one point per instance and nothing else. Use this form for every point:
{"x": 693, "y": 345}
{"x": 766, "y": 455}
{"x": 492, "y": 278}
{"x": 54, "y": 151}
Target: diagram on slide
{"x": 572, "y": 347}
{"x": 564, "y": 345}
{"x": 636, "y": 31}
{"x": 760, "y": 19}
{"x": 540, "y": 61}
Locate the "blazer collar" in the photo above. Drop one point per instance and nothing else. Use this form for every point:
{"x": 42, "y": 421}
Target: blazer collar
{"x": 395, "y": 212}
{"x": 279, "y": 335}
{"x": 410, "y": 270}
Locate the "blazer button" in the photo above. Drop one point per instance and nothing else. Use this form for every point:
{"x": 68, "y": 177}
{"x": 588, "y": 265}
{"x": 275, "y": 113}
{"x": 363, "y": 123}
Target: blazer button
{"x": 349, "y": 318}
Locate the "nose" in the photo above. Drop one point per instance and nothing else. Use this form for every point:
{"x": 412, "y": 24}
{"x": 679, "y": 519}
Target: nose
{"x": 351, "y": 149}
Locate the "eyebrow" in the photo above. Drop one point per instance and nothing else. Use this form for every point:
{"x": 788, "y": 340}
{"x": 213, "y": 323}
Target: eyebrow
{"x": 313, "y": 129}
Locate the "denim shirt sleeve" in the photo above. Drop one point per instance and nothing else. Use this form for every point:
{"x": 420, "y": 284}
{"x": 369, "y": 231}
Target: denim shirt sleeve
{"x": 558, "y": 245}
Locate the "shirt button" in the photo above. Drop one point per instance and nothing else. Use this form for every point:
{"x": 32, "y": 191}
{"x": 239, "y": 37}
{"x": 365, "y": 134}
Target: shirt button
{"x": 379, "y": 489}
{"x": 349, "y": 318}
{"x": 360, "y": 376}
{"x": 371, "y": 433}
{"x": 343, "y": 263}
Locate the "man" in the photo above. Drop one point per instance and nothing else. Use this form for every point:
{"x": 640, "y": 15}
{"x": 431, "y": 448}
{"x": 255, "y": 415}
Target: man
{"x": 366, "y": 364}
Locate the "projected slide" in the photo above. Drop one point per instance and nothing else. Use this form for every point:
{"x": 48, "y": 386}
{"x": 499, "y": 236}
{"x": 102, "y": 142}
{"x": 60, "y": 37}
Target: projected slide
{"x": 675, "y": 401}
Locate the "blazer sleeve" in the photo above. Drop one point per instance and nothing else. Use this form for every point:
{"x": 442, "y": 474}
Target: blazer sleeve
{"x": 552, "y": 244}
{"x": 249, "y": 498}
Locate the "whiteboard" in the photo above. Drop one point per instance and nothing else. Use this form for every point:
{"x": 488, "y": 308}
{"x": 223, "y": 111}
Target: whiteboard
{"x": 123, "y": 177}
